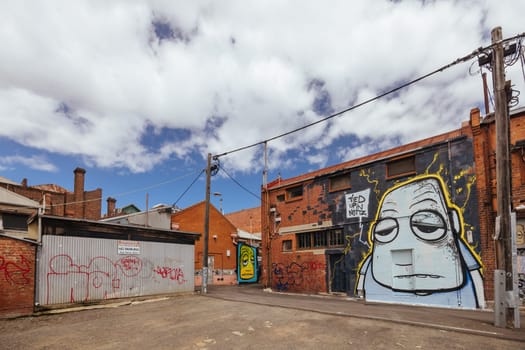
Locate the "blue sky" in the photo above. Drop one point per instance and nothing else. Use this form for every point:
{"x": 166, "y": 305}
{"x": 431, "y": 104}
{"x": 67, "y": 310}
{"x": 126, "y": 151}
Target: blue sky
{"x": 138, "y": 93}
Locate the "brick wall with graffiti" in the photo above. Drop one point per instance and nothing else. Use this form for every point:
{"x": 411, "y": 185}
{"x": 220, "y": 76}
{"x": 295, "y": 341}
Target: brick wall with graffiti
{"x": 410, "y": 237}
{"x": 79, "y": 270}
{"x": 17, "y": 277}
{"x": 305, "y": 274}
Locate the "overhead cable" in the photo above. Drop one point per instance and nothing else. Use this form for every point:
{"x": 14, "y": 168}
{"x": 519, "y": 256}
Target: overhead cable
{"x": 238, "y": 183}
{"x": 468, "y": 57}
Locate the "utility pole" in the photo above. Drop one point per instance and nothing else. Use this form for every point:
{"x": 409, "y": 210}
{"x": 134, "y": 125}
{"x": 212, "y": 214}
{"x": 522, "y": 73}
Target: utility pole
{"x": 505, "y": 304}
{"x": 204, "y": 284}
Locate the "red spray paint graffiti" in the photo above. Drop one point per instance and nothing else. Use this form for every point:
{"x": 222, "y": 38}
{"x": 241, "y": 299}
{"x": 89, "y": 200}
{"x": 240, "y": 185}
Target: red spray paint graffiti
{"x": 101, "y": 277}
{"x": 174, "y": 274}
{"x": 16, "y": 272}
{"x": 295, "y": 275}
{"x": 97, "y": 278}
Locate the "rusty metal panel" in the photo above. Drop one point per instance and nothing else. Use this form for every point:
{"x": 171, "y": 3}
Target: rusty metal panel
{"x": 77, "y": 269}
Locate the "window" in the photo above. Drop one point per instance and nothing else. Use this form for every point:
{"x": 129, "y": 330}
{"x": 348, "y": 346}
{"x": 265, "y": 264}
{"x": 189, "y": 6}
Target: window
{"x": 336, "y": 237}
{"x": 340, "y": 182}
{"x": 287, "y": 245}
{"x": 280, "y": 197}
{"x": 320, "y": 239}
{"x": 303, "y": 240}
{"x": 401, "y": 167}
{"x": 294, "y": 192}
{"x": 14, "y": 222}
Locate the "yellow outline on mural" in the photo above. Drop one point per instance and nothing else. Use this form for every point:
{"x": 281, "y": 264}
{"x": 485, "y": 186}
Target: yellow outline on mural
{"x": 449, "y": 203}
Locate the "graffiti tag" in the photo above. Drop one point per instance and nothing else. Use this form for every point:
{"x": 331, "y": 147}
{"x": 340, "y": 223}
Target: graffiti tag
{"x": 173, "y": 273}
{"x": 16, "y": 272}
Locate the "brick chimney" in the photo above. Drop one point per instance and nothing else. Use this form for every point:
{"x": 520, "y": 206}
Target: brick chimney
{"x": 111, "y": 206}
{"x": 79, "y": 193}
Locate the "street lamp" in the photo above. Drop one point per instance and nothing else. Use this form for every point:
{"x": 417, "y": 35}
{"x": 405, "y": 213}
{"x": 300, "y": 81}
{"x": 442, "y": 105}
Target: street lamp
{"x": 218, "y": 194}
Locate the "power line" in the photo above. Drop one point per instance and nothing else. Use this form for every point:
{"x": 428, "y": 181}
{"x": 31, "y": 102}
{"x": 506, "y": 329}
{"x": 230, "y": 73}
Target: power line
{"x": 188, "y": 188}
{"x": 475, "y": 53}
{"x": 124, "y": 193}
{"x": 238, "y": 183}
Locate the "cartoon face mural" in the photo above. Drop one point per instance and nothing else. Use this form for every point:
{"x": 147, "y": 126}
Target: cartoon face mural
{"x": 418, "y": 254}
{"x": 520, "y": 235}
{"x": 247, "y": 269}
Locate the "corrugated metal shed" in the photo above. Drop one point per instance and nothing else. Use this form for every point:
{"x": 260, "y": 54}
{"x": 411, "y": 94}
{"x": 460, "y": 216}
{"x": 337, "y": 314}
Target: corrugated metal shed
{"x": 84, "y": 261}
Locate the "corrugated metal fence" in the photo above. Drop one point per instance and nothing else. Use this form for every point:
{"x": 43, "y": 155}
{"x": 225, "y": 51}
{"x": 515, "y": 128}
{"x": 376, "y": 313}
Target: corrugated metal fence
{"x": 77, "y": 269}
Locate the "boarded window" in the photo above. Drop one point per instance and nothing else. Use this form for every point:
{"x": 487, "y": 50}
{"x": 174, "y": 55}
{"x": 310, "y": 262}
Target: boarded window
{"x": 401, "y": 167}
{"x": 340, "y": 182}
{"x": 294, "y": 192}
{"x": 14, "y": 222}
{"x": 287, "y": 245}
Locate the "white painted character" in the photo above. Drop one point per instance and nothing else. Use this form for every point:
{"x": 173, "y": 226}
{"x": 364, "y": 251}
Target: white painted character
{"x": 418, "y": 253}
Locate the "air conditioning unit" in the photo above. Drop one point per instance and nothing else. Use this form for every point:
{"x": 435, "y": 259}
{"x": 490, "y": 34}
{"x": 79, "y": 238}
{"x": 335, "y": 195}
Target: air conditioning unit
{"x": 272, "y": 210}
{"x": 278, "y": 219}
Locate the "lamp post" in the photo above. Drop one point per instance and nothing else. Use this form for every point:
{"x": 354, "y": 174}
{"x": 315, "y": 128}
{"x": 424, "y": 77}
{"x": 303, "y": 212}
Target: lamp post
{"x": 218, "y": 194}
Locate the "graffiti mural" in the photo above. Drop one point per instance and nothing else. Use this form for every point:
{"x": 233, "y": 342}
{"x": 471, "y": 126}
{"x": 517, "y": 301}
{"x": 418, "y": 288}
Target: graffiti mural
{"x": 246, "y": 263}
{"x": 302, "y": 276}
{"x": 418, "y": 252}
{"x": 16, "y": 272}
{"x": 520, "y": 244}
{"x": 101, "y": 277}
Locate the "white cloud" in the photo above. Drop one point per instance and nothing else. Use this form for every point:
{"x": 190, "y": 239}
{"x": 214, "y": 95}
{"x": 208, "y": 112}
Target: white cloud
{"x": 33, "y": 162}
{"x": 235, "y": 73}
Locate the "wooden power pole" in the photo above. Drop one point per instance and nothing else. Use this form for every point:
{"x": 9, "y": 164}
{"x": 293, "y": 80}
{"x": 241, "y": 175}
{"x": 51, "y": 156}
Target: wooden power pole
{"x": 504, "y": 303}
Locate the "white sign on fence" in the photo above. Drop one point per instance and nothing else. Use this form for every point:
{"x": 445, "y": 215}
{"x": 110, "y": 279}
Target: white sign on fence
{"x": 128, "y": 247}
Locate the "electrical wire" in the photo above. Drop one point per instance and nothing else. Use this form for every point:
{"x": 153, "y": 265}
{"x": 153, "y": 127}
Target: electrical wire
{"x": 238, "y": 183}
{"x": 468, "y": 57}
{"x": 124, "y": 193}
{"x": 188, "y": 188}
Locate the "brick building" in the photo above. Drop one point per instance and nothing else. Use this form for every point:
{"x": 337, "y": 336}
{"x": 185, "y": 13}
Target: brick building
{"x": 17, "y": 276}
{"x": 484, "y": 136}
{"x": 80, "y": 204}
{"x": 412, "y": 224}
{"x": 248, "y": 220}
{"x": 221, "y": 242}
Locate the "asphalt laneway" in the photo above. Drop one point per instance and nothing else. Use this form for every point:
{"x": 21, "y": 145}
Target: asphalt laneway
{"x": 249, "y": 318}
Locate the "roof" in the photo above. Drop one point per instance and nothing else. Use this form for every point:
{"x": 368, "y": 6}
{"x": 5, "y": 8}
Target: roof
{"x": 246, "y": 235}
{"x": 96, "y": 229}
{"x": 397, "y": 151}
{"x": 120, "y": 216}
{"x": 7, "y": 181}
{"x": 51, "y": 188}
{"x": 12, "y": 198}
{"x": 130, "y": 209}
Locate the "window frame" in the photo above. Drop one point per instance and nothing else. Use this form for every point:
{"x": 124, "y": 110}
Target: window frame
{"x": 320, "y": 239}
{"x": 290, "y": 190}
{"x": 15, "y": 222}
{"x": 398, "y": 160}
{"x": 345, "y": 186}
{"x": 285, "y": 243}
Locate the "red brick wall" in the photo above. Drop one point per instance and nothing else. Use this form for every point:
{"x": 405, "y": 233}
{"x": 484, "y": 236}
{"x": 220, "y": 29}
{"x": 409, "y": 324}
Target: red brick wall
{"x": 56, "y": 201}
{"x": 17, "y": 277}
{"x": 248, "y": 220}
{"x": 485, "y": 162}
{"x": 295, "y": 271}
{"x": 192, "y": 220}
